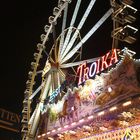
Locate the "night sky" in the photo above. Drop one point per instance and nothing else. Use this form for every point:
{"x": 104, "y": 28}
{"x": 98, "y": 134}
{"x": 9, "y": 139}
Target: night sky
{"x": 21, "y": 27}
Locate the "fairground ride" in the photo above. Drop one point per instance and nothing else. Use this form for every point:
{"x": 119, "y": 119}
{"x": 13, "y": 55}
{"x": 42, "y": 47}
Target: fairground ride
{"x": 54, "y": 74}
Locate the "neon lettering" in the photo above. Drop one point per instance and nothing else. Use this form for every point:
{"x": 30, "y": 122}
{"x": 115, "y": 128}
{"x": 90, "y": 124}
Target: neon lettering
{"x": 113, "y": 57}
{"x": 84, "y": 72}
{"x": 92, "y": 70}
{"x": 98, "y": 66}
{"x": 104, "y": 61}
{"x": 80, "y": 71}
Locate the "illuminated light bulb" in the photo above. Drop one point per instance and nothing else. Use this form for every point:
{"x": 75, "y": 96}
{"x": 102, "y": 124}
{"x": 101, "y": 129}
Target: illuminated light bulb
{"x": 59, "y": 128}
{"x": 113, "y": 108}
{"x": 127, "y": 103}
{"x": 90, "y": 117}
{"x": 109, "y": 89}
{"x": 74, "y": 123}
{"x": 82, "y": 120}
{"x": 48, "y": 133}
{"x": 72, "y": 132}
{"x": 72, "y": 108}
{"x": 43, "y": 135}
{"x": 50, "y": 138}
{"x": 101, "y": 113}
{"x": 66, "y": 126}
{"x": 87, "y": 127}
{"x": 53, "y": 130}
{"x": 39, "y": 136}
{"x": 60, "y": 135}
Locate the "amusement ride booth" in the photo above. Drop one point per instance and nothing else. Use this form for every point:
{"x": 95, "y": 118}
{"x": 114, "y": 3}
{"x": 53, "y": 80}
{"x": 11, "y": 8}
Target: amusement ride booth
{"x": 71, "y": 98}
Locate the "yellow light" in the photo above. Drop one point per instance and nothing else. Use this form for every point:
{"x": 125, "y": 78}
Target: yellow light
{"x": 60, "y": 135}
{"x": 127, "y": 103}
{"x": 113, "y": 108}
{"x": 50, "y": 138}
{"x": 43, "y": 135}
{"x": 101, "y": 113}
{"x": 39, "y": 136}
{"x": 48, "y": 133}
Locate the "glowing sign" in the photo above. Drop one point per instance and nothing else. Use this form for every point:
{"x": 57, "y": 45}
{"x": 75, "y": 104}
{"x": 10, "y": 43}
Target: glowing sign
{"x": 9, "y": 121}
{"x": 69, "y": 80}
{"x": 84, "y": 72}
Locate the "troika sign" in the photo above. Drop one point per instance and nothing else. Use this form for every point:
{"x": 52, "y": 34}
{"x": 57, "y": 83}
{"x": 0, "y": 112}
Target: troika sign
{"x": 85, "y": 72}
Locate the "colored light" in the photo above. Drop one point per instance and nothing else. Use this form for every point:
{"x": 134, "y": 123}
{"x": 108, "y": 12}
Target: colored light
{"x": 82, "y": 120}
{"x": 127, "y": 103}
{"x": 72, "y": 132}
{"x": 109, "y": 89}
{"x": 113, "y": 108}
{"x": 101, "y": 113}
{"x": 85, "y": 72}
{"x": 74, "y": 123}
{"x": 72, "y": 108}
{"x": 50, "y": 138}
{"x": 90, "y": 117}
{"x": 59, "y": 128}
{"x": 39, "y": 136}
{"x": 106, "y": 134}
{"x": 53, "y": 130}
{"x": 66, "y": 126}
{"x": 43, "y": 135}
{"x": 48, "y": 133}
{"x": 60, "y": 135}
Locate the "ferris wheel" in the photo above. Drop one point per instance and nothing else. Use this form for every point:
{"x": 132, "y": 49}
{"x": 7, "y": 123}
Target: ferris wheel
{"x": 63, "y": 37}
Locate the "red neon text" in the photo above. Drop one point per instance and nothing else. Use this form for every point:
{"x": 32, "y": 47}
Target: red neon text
{"x": 84, "y": 72}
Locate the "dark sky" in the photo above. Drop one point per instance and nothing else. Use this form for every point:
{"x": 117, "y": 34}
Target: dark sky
{"x": 21, "y": 27}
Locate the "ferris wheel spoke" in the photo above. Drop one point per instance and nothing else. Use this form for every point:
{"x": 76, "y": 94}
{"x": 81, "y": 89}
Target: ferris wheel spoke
{"x": 46, "y": 88}
{"x": 55, "y": 80}
{"x": 33, "y": 116}
{"x": 36, "y": 91}
{"x": 37, "y": 111}
{"x": 71, "y": 25}
{"x": 50, "y": 90}
{"x": 58, "y": 76}
{"x": 78, "y": 63}
{"x": 69, "y": 46}
{"x": 63, "y": 27}
{"x": 88, "y": 35}
{"x": 62, "y": 74}
{"x": 52, "y": 82}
